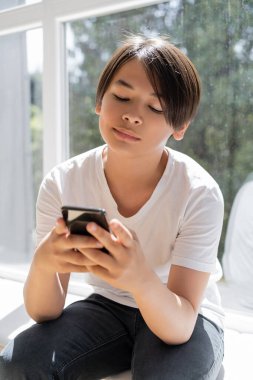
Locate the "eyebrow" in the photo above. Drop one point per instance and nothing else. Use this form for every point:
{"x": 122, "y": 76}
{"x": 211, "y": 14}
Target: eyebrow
{"x": 122, "y": 82}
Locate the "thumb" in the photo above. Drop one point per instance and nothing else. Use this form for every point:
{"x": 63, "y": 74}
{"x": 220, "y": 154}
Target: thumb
{"x": 60, "y": 227}
{"x": 121, "y": 233}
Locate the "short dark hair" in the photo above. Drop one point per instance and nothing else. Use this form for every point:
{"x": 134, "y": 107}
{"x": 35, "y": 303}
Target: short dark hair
{"x": 171, "y": 73}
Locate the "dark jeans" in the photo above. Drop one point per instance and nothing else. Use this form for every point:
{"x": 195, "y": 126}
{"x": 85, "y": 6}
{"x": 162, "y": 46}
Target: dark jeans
{"x": 96, "y": 337}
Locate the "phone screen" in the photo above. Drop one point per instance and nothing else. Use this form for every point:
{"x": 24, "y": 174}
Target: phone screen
{"x": 77, "y": 218}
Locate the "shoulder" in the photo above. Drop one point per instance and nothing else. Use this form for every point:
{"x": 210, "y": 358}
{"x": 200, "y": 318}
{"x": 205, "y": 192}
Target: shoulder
{"x": 73, "y": 166}
{"x": 70, "y": 174}
{"x": 195, "y": 191}
{"x": 192, "y": 176}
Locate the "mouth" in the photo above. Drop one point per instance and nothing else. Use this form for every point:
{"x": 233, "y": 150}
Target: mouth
{"x": 124, "y": 134}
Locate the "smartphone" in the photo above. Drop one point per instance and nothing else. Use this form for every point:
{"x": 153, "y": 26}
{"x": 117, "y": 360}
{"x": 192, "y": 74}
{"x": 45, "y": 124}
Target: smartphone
{"x": 77, "y": 218}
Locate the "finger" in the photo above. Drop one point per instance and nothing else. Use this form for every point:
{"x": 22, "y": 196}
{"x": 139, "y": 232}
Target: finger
{"x": 70, "y": 268}
{"x": 122, "y": 234}
{"x": 103, "y": 236}
{"x": 98, "y": 257}
{"x": 99, "y": 271}
{"x": 60, "y": 227}
{"x": 75, "y": 257}
{"x": 81, "y": 241}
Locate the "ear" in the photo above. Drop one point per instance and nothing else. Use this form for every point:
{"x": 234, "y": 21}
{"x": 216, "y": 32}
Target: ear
{"x": 179, "y": 134}
{"x": 98, "y": 109}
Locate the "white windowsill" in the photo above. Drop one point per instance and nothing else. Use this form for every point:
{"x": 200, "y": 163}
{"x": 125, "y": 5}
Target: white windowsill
{"x": 238, "y": 323}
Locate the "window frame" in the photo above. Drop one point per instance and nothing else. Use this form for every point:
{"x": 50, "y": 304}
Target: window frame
{"x": 50, "y": 15}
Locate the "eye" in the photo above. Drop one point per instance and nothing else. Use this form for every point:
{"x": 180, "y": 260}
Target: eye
{"x": 120, "y": 98}
{"x": 155, "y": 110}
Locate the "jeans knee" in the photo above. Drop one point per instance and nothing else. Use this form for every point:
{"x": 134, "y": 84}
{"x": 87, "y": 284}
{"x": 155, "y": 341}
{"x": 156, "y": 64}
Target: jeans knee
{"x": 13, "y": 365}
{"x": 20, "y": 363}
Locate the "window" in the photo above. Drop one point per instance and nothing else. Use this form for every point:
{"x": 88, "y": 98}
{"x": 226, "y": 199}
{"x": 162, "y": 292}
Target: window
{"x": 21, "y": 142}
{"x": 218, "y": 39}
{"x": 9, "y": 4}
{"x": 78, "y": 38}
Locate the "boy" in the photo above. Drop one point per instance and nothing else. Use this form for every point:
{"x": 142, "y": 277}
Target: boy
{"x": 155, "y": 307}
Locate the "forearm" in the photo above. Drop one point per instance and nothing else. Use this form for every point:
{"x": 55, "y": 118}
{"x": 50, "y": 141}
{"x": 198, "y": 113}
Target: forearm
{"x": 45, "y": 293}
{"x": 170, "y": 317}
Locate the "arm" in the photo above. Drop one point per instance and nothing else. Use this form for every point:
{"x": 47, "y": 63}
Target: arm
{"x": 47, "y": 282}
{"x": 39, "y": 285}
{"x": 54, "y": 259}
{"x": 169, "y": 311}
{"x": 45, "y": 290}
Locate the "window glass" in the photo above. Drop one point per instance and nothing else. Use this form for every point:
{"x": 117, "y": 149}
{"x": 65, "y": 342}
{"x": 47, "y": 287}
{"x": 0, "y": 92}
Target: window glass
{"x": 20, "y": 143}
{"x": 218, "y": 38}
{"x": 7, "y": 4}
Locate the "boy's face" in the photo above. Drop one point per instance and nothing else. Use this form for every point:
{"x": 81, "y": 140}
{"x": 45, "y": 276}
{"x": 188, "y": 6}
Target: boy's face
{"x": 131, "y": 117}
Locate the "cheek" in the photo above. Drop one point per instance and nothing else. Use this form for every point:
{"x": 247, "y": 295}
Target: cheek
{"x": 106, "y": 119}
{"x": 110, "y": 112}
{"x": 102, "y": 129}
{"x": 160, "y": 134}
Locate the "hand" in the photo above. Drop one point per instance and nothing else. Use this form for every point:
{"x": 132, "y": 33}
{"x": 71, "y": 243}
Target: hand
{"x": 59, "y": 251}
{"x": 125, "y": 267}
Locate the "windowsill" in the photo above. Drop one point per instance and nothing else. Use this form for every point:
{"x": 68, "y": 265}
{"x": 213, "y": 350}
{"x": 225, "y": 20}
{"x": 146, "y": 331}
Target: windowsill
{"x": 13, "y": 316}
{"x": 238, "y": 322}
{"x": 18, "y": 273}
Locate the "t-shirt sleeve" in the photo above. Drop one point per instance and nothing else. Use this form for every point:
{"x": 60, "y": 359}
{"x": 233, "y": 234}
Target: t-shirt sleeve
{"x": 196, "y": 245}
{"x": 48, "y": 207}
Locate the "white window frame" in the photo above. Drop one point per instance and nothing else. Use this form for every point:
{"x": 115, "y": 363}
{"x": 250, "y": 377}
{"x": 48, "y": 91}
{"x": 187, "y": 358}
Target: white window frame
{"x": 50, "y": 15}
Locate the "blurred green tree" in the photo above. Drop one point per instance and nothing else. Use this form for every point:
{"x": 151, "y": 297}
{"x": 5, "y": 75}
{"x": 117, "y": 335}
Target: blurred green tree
{"x": 218, "y": 38}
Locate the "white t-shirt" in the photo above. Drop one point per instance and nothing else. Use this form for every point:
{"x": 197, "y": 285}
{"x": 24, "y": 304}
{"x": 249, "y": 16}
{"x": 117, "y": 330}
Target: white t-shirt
{"x": 180, "y": 223}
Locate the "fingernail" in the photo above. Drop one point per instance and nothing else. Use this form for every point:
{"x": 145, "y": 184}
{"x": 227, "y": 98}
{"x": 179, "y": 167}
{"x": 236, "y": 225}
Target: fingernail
{"x": 92, "y": 227}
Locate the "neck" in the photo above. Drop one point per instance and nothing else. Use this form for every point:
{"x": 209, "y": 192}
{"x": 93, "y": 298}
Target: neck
{"x": 136, "y": 176}
{"x": 145, "y": 169}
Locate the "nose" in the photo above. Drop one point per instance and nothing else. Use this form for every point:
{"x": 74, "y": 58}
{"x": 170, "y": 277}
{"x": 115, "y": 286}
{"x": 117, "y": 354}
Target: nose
{"x": 132, "y": 119}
